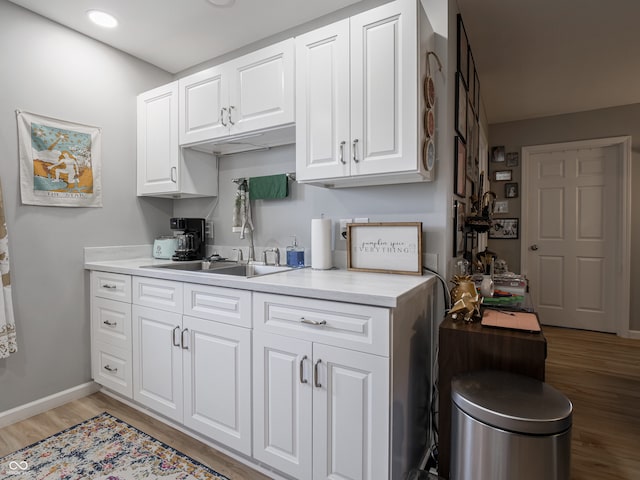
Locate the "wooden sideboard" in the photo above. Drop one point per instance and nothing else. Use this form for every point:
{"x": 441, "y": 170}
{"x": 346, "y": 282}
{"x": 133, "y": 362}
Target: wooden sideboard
{"x": 466, "y": 347}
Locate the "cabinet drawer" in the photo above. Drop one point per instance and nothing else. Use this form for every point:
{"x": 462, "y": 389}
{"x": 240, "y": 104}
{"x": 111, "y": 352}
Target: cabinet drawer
{"x": 357, "y": 327}
{"x": 112, "y": 368}
{"x": 111, "y": 322}
{"x": 111, "y": 285}
{"x": 160, "y": 294}
{"x": 225, "y": 305}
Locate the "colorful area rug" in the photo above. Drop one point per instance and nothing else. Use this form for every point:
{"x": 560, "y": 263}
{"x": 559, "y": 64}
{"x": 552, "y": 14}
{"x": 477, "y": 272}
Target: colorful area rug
{"x": 102, "y": 448}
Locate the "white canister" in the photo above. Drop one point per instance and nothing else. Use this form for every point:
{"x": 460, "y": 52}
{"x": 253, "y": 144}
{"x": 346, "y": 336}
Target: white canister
{"x": 321, "y": 244}
{"x": 486, "y": 287}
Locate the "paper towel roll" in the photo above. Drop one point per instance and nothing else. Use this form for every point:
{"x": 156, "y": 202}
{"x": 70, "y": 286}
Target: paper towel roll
{"x": 321, "y": 244}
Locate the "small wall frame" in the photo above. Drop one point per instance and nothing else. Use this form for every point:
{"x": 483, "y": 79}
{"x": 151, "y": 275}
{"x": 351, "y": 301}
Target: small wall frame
{"x": 386, "y": 247}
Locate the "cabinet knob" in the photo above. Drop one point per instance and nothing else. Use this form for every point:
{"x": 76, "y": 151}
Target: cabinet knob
{"x": 110, "y": 324}
{"x": 222, "y": 111}
{"x": 109, "y": 286}
{"x": 355, "y": 151}
{"x": 183, "y": 344}
{"x": 534, "y": 247}
{"x": 174, "y": 174}
{"x": 110, "y": 369}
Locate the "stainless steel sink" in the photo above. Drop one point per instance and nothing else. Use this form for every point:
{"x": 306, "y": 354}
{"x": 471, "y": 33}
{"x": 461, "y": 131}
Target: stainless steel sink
{"x": 224, "y": 268}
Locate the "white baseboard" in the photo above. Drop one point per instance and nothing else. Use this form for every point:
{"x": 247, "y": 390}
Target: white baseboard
{"x": 632, "y": 334}
{"x": 30, "y": 409}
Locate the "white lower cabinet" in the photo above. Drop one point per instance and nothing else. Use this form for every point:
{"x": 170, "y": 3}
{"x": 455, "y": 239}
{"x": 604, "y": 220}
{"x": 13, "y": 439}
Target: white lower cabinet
{"x": 195, "y": 371}
{"x": 157, "y": 362}
{"x": 320, "y": 411}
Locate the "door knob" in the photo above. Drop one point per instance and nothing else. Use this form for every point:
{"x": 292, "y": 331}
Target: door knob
{"x": 534, "y": 247}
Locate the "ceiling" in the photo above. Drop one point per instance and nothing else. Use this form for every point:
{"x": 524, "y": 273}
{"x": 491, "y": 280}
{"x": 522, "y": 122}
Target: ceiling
{"x": 548, "y": 57}
{"x": 534, "y": 58}
{"x": 177, "y": 34}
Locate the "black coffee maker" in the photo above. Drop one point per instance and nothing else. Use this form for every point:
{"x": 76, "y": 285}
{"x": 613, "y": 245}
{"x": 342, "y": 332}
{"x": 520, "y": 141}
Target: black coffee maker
{"x": 191, "y": 241}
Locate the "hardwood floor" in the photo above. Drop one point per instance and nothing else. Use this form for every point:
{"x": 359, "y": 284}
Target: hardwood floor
{"x": 41, "y": 426}
{"x": 600, "y": 374}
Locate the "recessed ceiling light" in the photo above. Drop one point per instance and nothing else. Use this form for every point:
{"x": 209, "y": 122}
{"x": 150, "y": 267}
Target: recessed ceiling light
{"x": 221, "y": 3}
{"x": 102, "y": 18}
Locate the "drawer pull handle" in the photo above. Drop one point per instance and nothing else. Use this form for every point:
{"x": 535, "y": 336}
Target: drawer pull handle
{"x": 302, "y": 379}
{"x": 315, "y": 374}
{"x": 109, "y": 286}
{"x": 173, "y": 336}
{"x": 111, "y": 324}
{"x": 182, "y": 342}
{"x": 110, "y": 369}
{"x": 316, "y": 323}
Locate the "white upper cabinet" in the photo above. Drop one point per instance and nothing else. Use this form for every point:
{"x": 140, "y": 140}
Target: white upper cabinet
{"x": 164, "y": 169}
{"x": 158, "y": 151}
{"x": 248, "y": 94}
{"x": 357, "y": 100}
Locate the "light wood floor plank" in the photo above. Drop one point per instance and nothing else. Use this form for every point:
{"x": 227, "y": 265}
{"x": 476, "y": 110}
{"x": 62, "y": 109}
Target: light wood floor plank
{"x": 600, "y": 374}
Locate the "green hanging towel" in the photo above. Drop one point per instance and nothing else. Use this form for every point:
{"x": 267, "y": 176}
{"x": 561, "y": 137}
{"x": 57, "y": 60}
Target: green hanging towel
{"x": 269, "y": 187}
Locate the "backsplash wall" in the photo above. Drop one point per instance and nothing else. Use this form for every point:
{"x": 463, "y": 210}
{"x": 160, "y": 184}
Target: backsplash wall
{"x": 277, "y": 220}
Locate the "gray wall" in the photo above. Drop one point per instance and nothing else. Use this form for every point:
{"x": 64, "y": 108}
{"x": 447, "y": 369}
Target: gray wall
{"x": 277, "y": 220}
{"x": 608, "y": 122}
{"x": 50, "y": 70}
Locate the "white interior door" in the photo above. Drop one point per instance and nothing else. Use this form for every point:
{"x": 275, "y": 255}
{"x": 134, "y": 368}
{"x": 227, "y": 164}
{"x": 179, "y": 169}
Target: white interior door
{"x": 572, "y": 245}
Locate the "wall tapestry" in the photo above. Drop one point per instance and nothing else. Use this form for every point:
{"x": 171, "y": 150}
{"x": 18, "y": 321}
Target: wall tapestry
{"x": 8, "y": 343}
{"x": 59, "y": 162}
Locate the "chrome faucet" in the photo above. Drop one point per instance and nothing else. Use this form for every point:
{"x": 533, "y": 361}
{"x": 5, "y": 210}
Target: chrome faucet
{"x": 274, "y": 250}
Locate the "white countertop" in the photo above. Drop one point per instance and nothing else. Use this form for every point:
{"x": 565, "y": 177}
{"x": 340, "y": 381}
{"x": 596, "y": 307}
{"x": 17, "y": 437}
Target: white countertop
{"x": 378, "y": 289}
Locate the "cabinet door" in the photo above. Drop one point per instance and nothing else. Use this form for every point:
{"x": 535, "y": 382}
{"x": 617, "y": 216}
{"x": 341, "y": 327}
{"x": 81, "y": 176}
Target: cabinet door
{"x": 157, "y": 136}
{"x": 203, "y": 96}
{"x": 217, "y": 382}
{"x": 322, "y": 107}
{"x": 157, "y": 363}
{"x": 350, "y": 414}
{"x": 282, "y": 403}
{"x": 383, "y": 89}
{"x": 261, "y": 88}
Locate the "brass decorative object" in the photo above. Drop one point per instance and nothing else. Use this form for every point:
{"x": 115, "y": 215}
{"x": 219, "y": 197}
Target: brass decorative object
{"x": 465, "y": 299}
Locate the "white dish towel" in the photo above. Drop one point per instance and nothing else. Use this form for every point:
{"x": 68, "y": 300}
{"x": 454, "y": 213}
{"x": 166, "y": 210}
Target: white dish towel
{"x": 242, "y": 210}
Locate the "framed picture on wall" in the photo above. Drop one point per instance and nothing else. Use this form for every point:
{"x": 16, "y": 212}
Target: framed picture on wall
{"x": 463, "y": 51}
{"x": 512, "y": 159}
{"x": 471, "y": 82}
{"x": 502, "y": 175}
{"x": 476, "y": 98}
{"x": 461, "y": 108}
{"x": 459, "y": 209}
{"x": 504, "y": 228}
{"x": 460, "y": 176}
{"x": 511, "y": 190}
{"x": 497, "y": 154}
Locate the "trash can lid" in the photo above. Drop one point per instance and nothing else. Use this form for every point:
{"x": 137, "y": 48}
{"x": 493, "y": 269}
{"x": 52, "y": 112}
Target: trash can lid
{"x": 512, "y": 402}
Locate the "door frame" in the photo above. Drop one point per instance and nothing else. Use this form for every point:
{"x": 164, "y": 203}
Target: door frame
{"x": 622, "y": 301}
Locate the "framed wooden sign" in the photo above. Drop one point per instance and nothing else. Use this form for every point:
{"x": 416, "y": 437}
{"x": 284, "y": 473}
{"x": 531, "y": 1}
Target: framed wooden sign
{"x": 387, "y": 247}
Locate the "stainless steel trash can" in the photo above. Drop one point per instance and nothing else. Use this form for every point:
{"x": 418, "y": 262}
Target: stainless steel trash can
{"x": 508, "y": 427}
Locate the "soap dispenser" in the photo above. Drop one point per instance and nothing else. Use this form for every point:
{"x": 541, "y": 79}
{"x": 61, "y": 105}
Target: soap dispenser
{"x": 295, "y": 254}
